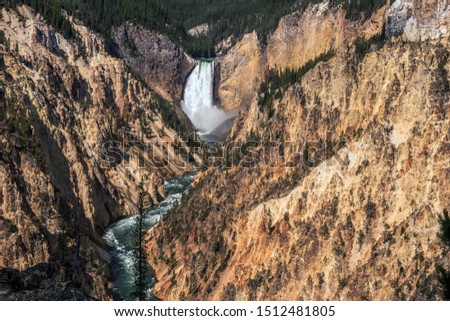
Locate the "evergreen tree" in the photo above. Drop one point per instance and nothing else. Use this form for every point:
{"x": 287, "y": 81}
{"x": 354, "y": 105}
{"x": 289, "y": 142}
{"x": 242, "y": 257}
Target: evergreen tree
{"x": 141, "y": 281}
{"x": 444, "y": 281}
{"x": 444, "y": 231}
{"x": 277, "y": 81}
{"x": 443, "y": 275}
{"x": 174, "y": 17}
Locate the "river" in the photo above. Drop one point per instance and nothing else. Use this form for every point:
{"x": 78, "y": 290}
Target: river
{"x": 119, "y": 237}
{"x": 198, "y": 104}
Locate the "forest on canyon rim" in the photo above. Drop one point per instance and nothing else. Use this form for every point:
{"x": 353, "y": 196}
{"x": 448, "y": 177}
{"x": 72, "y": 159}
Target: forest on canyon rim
{"x": 175, "y": 17}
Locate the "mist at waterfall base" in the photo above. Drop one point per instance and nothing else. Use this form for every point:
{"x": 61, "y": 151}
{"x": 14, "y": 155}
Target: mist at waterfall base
{"x": 198, "y": 100}
{"x": 119, "y": 237}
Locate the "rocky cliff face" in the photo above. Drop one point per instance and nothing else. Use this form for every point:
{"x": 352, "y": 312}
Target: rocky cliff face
{"x": 300, "y": 37}
{"x": 78, "y": 135}
{"x": 419, "y": 19}
{"x": 346, "y": 209}
{"x": 154, "y": 58}
{"x": 239, "y": 73}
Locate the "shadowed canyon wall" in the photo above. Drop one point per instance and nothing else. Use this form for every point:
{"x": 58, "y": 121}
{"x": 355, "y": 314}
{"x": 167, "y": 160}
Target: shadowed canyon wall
{"x": 61, "y": 102}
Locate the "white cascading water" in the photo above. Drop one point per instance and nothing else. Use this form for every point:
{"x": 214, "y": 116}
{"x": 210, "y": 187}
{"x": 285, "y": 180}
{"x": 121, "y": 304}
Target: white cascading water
{"x": 198, "y": 101}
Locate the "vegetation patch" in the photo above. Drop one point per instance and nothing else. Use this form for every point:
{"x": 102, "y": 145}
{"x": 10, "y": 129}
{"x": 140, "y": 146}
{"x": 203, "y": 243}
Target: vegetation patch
{"x": 443, "y": 274}
{"x": 174, "y": 18}
{"x": 277, "y": 82}
{"x": 363, "y": 46}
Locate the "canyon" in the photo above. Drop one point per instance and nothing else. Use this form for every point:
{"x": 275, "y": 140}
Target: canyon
{"x": 355, "y": 217}
{"x": 337, "y": 196}
{"x": 79, "y": 135}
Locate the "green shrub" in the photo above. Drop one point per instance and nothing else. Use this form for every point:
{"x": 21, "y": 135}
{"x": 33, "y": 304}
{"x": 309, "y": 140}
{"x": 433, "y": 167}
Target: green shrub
{"x": 2, "y": 37}
{"x": 363, "y": 46}
{"x": 443, "y": 277}
{"x": 277, "y": 81}
{"x": 371, "y": 209}
{"x": 444, "y": 230}
{"x": 443, "y": 274}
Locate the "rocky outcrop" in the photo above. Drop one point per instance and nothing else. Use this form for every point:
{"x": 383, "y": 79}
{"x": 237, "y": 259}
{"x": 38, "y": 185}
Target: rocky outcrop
{"x": 346, "y": 209}
{"x": 303, "y": 36}
{"x": 78, "y": 136}
{"x": 153, "y": 57}
{"x": 299, "y": 37}
{"x": 37, "y": 283}
{"x": 240, "y": 71}
{"x": 199, "y": 30}
{"x": 418, "y": 20}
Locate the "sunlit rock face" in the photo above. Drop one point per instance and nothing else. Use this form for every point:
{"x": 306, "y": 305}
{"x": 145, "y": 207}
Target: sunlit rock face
{"x": 299, "y": 37}
{"x": 239, "y": 73}
{"x": 418, "y": 20}
{"x": 361, "y": 225}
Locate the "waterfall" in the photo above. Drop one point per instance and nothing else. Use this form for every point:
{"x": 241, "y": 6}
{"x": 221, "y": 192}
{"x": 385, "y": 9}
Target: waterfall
{"x": 198, "y": 100}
